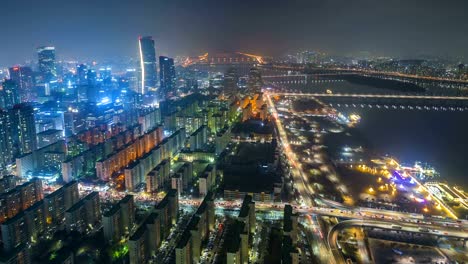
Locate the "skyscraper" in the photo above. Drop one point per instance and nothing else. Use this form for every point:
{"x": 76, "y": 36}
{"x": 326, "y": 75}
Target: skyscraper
{"x": 167, "y": 76}
{"x": 6, "y": 140}
{"x": 23, "y": 77}
{"x": 23, "y": 128}
{"x": 81, "y": 71}
{"x": 255, "y": 82}
{"x": 47, "y": 67}
{"x": 147, "y": 64}
{"x": 8, "y": 94}
{"x": 230, "y": 81}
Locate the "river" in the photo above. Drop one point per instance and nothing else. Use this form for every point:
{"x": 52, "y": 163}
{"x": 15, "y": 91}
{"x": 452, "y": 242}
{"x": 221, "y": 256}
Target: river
{"x": 439, "y": 138}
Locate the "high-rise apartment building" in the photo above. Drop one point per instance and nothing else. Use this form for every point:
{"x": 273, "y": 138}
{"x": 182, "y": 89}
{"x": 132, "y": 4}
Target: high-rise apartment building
{"x": 24, "y": 79}
{"x": 23, "y": 128}
{"x": 6, "y": 140}
{"x": 8, "y": 94}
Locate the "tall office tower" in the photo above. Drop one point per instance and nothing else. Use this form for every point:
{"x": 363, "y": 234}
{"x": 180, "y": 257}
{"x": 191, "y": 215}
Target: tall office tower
{"x": 131, "y": 77}
{"x": 167, "y": 76}
{"x": 24, "y": 79}
{"x": 147, "y": 65}
{"x": 81, "y": 71}
{"x": 8, "y": 94}
{"x": 255, "y": 82}
{"x": 6, "y": 140}
{"x": 23, "y": 128}
{"x": 230, "y": 81}
{"x": 92, "y": 91}
{"x": 47, "y": 67}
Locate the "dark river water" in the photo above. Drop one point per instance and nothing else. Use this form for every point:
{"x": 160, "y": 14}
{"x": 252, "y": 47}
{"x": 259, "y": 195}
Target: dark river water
{"x": 439, "y": 138}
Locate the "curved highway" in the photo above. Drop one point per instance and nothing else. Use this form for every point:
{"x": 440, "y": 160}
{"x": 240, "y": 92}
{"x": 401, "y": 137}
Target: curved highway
{"x": 382, "y": 224}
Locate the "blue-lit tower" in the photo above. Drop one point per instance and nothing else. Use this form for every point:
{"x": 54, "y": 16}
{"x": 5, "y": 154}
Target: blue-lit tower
{"x": 167, "y": 76}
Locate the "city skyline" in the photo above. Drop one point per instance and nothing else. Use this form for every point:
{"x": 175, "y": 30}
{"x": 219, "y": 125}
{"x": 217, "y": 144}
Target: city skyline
{"x": 233, "y": 132}
{"x": 395, "y": 29}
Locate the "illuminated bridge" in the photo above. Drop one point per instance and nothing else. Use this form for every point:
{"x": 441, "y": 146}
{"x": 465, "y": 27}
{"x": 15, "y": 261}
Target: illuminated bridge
{"x": 395, "y": 101}
{"x": 389, "y": 96}
{"x": 343, "y": 71}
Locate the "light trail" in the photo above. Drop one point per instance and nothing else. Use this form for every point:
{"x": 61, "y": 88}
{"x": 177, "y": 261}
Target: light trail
{"x": 305, "y": 190}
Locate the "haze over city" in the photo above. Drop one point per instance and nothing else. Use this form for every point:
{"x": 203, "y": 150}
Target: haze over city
{"x": 106, "y": 29}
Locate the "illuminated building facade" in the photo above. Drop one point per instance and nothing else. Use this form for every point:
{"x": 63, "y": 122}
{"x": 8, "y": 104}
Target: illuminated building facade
{"x": 8, "y": 94}
{"x": 167, "y": 76}
{"x": 147, "y": 64}
{"x": 24, "y": 128}
{"x": 24, "y": 79}
{"x": 47, "y": 64}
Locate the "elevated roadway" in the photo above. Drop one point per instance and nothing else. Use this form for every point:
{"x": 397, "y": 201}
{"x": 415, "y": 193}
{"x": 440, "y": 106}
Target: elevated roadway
{"x": 389, "y": 225}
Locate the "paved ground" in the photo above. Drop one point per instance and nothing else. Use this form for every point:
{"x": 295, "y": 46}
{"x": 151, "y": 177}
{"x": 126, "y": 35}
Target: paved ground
{"x": 385, "y": 252}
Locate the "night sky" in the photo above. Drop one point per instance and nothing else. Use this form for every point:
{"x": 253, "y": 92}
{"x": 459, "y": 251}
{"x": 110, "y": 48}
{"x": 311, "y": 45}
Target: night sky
{"x": 108, "y": 29}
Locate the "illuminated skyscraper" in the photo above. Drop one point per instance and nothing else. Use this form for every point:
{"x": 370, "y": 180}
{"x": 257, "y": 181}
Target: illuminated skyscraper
{"x": 6, "y": 140}
{"x": 47, "y": 66}
{"x": 167, "y": 76}
{"x": 8, "y": 94}
{"x": 147, "y": 64}
{"x": 254, "y": 82}
{"x": 23, "y": 128}
{"x": 23, "y": 77}
{"x": 230, "y": 81}
{"x": 81, "y": 71}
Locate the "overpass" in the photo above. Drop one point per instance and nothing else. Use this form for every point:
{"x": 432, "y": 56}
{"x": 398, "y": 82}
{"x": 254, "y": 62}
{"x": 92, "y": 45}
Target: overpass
{"x": 387, "y": 225}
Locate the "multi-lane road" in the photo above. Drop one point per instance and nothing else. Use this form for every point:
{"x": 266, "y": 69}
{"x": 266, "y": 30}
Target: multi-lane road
{"x": 305, "y": 189}
{"x": 435, "y": 230}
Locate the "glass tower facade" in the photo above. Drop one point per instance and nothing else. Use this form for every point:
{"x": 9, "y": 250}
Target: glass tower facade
{"x": 167, "y": 76}
{"x": 147, "y": 64}
{"x": 47, "y": 66}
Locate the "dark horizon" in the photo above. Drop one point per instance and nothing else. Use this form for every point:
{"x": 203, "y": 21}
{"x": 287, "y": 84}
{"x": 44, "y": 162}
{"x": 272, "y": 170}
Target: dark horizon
{"x": 108, "y": 29}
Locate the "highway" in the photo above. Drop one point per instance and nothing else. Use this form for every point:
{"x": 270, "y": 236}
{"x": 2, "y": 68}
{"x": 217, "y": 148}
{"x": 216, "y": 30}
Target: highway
{"x": 388, "y": 225}
{"x": 305, "y": 189}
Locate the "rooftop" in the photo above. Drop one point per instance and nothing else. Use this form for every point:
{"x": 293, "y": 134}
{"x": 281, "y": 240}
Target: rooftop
{"x": 184, "y": 239}
{"x": 245, "y": 208}
{"x": 113, "y": 210}
{"x": 232, "y": 240}
{"x": 138, "y": 233}
{"x": 287, "y": 223}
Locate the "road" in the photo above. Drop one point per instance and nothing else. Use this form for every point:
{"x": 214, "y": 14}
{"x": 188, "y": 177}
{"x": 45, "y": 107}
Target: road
{"x": 388, "y": 225}
{"x": 305, "y": 189}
